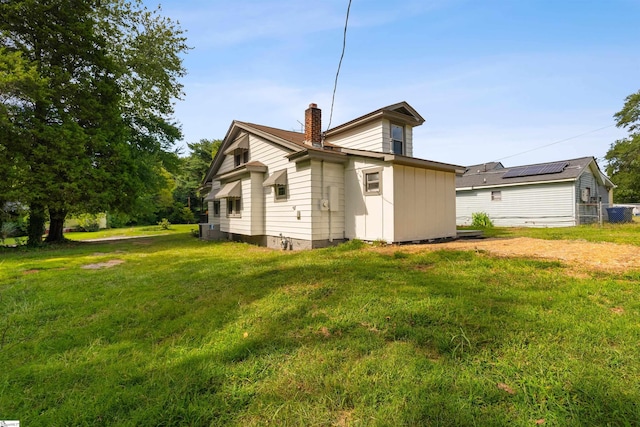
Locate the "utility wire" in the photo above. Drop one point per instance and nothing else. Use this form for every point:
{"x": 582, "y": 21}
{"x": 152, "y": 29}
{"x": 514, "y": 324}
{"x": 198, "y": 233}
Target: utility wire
{"x": 344, "y": 45}
{"x": 554, "y": 143}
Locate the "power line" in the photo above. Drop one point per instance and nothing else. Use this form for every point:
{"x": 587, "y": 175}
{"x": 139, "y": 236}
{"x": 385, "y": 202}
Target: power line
{"x": 344, "y": 45}
{"x": 554, "y": 143}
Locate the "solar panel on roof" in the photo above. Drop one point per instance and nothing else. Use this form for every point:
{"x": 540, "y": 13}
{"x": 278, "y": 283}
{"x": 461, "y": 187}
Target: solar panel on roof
{"x": 532, "y": 170}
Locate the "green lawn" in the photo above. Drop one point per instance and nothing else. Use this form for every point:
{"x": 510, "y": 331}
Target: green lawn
{"x": 185, "y": 332}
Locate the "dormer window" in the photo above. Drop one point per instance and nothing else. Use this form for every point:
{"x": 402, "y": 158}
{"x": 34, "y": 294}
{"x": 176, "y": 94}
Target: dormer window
{"x": 397, "y": 139}
{"x": 240, "y": 157}
{"x": 239, "y": 149}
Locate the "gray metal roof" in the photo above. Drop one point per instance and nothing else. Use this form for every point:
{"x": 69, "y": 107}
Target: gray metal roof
{"x": 492, "y": 175}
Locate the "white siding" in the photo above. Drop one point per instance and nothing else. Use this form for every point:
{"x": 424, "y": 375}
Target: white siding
{"x": 367, "y": 137}
{"x": 535, "y": 205}
{"x": 327, "y": 224}
{"x": 211, "y": 218}
{"x": 282, "y": 215}
{"x": 425, "y": 203}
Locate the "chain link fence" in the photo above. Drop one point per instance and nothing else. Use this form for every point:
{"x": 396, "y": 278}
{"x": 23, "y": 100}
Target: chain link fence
{"x": 599, "y": 213}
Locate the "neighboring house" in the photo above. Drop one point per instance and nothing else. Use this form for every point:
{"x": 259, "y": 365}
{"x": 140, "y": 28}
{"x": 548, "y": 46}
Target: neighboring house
{"x": 285, "y": 189}
{"x": 557, "y": 194}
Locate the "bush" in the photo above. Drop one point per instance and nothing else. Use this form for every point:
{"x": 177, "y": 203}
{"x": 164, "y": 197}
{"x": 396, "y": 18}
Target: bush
{"x": 88, "y": 222}
{"x": 164, "y": 224}
{"x": 8, "y": 229}
{"x": 481, "y": 220}
{"x": 117, "y": 220}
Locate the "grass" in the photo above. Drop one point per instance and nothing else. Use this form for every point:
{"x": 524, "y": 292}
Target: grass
{"x": 138, "y": 231}
{"x": 615, "y": 233}
{"x": 197, "y": 333}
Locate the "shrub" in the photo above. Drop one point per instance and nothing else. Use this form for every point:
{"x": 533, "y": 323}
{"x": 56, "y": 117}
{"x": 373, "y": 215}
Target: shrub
{"x": 8, "y": 229}
{"x": 88, "y": 222}
{"x": 117, "y": 220}
{"x": 164, "y": 224}
{"x": 481, "y": 220}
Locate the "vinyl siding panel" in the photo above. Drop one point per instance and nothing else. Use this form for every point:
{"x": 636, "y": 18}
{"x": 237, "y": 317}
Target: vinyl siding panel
{"x": 535, "y": 205}
{"x": 424, "y": 204}
{"x": 211, "y": 217}
{"x": 282, "y": 215}
{"x": 242, "y": 224}
{"x": 367, "y": 137}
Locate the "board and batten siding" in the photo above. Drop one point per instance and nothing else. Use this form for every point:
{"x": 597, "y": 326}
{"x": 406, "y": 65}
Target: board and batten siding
{"x": 425, "y": 204}
{"x": 327, "y": 224}
{"x": 368, "y": 217}
{"x": 534, "y": 205}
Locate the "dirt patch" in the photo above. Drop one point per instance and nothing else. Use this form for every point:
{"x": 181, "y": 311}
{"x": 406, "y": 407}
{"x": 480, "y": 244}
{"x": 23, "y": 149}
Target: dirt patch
{"x": 107, "y": 264}
{"x": 590, "y": 255}
{"x": 32, "y": 271}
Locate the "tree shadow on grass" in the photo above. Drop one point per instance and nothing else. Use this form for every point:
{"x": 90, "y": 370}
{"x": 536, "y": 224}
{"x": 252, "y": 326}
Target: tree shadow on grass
{"x": 243, "y": 329}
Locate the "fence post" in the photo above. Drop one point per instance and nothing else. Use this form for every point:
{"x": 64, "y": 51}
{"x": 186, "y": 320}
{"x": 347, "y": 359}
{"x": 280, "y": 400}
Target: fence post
{"x": 600, "y": 214}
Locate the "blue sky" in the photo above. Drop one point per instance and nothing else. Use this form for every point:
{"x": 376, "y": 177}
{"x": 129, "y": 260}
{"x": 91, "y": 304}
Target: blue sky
{"x": 493, "y": 79}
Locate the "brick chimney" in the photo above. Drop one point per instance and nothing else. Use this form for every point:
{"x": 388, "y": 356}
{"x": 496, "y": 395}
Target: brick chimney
{"x": 313, "y": 126}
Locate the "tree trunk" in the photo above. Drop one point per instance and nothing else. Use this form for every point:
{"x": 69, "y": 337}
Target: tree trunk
{"x": 56, "y": 226}
{"x": 35, "y": 227}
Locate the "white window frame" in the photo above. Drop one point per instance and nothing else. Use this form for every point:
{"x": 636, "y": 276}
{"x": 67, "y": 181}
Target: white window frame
{"x": 365, "y": 180}
{"x": 216, "y": 208}
{"x": 496, "y": 195}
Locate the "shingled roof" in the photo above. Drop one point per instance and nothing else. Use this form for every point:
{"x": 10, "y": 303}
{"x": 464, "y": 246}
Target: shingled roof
{"x": 493, "y": 174}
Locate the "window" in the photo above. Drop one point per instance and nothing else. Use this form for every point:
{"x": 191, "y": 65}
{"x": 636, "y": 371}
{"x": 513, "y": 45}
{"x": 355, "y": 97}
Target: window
{"x": 281, "y": 191}
{"x": 372, "y": 182}
{"x": 397, "y": 139}
{"x": 216, "y": 208}
{"x": 496, "y": 196}
{"x": 277, "y": 180}
{"x": 234, "y": 206}
{"x": 240, "y": 157}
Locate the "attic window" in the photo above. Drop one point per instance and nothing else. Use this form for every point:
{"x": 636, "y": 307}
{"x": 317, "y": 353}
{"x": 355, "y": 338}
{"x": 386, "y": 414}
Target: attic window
{"x": 496, "y": 196}
{"x": 239, "y": 148}
{"x": 240, "y": 157}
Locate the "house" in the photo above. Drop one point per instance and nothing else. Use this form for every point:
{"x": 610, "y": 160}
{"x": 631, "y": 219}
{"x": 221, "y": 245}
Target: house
{"x": 557, "y": 194}
{"x": 358, "y": 180}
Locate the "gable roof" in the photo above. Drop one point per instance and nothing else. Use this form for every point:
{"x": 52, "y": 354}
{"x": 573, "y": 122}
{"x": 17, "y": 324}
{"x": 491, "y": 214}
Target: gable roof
{"x": 566, "y": 170}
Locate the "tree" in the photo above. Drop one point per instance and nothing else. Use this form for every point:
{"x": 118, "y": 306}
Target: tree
{"x": 623, "y": 156}
{"x": 194, "y": 168}
{"x": 91, "y": 121}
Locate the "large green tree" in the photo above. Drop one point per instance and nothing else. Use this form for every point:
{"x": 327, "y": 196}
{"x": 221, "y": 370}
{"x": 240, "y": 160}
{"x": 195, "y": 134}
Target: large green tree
{"x": 193, "y": 169}
{"x": 623, "y": 156}
{"x": 88, "y": 123}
